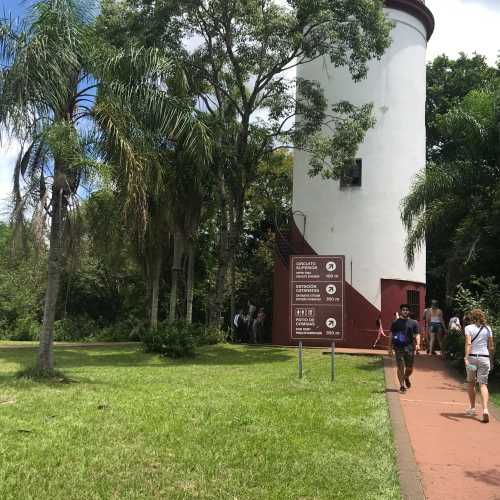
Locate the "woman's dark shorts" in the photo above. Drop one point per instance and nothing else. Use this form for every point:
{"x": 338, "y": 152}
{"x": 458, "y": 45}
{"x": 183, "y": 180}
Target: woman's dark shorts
{"x": 436, "y": 328}
{"x": 405, "y": 356}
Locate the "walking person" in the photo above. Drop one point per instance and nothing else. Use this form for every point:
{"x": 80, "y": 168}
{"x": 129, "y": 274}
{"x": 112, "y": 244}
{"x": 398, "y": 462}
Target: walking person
{"x": 454, "y": 324}
{"x": 479, "y": 347}
{"x": 434, "y": 326}
{"x": 380, "y": 331}
{"x": 405, "y": 343}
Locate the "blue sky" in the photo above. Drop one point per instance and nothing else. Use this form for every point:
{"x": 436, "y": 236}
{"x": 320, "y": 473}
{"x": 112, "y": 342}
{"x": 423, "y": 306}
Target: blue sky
{"x": 15, "y": 7}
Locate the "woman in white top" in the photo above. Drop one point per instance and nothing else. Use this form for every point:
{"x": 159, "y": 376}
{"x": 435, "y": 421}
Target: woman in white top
{"x": 478, "y": 347}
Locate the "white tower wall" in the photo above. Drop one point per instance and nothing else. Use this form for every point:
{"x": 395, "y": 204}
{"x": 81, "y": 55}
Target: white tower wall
{"x": 363, "y": 223}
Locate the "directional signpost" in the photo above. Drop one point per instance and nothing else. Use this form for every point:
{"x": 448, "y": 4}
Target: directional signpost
{"x": 317, "y": 300}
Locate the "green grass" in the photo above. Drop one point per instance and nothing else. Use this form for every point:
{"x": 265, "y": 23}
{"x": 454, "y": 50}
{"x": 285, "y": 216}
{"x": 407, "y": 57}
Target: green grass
{"x": 233, "y": 423}
{"x": 494, "y": 386}
{"x": 9, "y": 343}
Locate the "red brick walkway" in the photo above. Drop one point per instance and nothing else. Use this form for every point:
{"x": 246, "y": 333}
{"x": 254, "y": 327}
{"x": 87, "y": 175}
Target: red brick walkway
{"x": 458, "y": 457}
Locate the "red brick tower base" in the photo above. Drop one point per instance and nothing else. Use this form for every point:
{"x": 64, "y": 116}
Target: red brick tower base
{"x": 360, "y": 322}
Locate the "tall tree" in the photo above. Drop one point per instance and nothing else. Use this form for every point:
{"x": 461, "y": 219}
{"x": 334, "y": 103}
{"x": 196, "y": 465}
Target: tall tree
{"x": 449, "y": 81}
{"x": 454, "y": 202}
{"x": 240, "y": 55}
{"x": 69, "y": 92}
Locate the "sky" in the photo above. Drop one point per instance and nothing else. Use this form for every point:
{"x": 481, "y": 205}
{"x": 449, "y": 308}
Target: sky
{"x": 461, "y": 26}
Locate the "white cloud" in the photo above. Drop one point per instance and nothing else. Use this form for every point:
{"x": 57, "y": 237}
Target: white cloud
{"x": 465, "y": 26}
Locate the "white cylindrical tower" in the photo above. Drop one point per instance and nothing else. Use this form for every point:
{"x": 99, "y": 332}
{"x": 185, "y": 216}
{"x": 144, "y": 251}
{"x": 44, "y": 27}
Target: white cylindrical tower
{"x": 360, "y": 216}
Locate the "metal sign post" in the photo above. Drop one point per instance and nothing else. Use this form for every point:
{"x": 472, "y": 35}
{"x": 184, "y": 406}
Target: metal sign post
{"x": 333, "y": 361}
{"x": 317, "y": 298}
{"x": 300, "y": 359}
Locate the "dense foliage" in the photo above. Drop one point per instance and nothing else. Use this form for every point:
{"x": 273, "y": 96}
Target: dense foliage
{"x": 173, "y": 118}
{"x": 454, "y": 206}
{"x": 454, "y": 203}
{"x": 482, "y": 293}
{"x": 180, "y": 340}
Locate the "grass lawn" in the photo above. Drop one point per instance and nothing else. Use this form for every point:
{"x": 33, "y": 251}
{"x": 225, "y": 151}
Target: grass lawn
{"x": 233, "y": 423}
{"x": 494, "y": 386}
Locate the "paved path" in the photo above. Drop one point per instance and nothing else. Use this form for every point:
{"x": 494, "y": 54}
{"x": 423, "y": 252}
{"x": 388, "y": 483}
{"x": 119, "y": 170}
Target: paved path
{"x": 458, "y": 457}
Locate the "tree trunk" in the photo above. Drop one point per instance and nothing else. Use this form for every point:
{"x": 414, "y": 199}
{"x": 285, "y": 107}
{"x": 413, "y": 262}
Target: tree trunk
{"x": 223, "y": 260}
{"x": 176, "y": 270}
{"x": 190, "y": 283}
{"x": 155, "y": 289}
{"x": 231, "y": 228}
{"x": 233, "y": 298}
{"x": 45, "y": 361}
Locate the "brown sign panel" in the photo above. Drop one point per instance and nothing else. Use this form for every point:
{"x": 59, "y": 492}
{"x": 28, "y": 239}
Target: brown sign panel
{"x": 317, "y": 297}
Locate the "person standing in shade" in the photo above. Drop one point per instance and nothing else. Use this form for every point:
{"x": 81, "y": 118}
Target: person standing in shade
{"x": 454, "y": 323}
{"x": 239, "y": 322}
{"x": 258, "y": 326}
{"x": 435, "y": 327}
{"x": 405, "y": 343}
{"x": 252, "y": 309}
{"x": 479, "y": 347}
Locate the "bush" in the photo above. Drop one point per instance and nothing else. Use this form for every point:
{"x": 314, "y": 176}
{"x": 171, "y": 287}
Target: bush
{"x": 180, "y": 339}
{"x": 454, "y": 348}
{"x": 205, "y": 335}
{"x": 84, "y": 328}
{"x": 24, "y": 329}
{"x": 76, "y": 328}
{"x": 172, "y": 340}
{"x": 484, "y": 294}
{"x": 121, "y": 331}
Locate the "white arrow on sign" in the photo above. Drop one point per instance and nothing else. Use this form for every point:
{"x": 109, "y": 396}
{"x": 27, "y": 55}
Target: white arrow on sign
{"x": 331, "y": 289}
{"x": 331, "y": 323}
{"x": 331, "y": 266}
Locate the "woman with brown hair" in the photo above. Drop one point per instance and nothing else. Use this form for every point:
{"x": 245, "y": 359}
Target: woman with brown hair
{"x": 478, "y": 348}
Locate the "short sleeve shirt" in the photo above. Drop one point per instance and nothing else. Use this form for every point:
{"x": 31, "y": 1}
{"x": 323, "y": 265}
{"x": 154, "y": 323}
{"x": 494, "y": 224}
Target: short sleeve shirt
{"x": 410, "y": 326}
{"x": 480, "y": 344}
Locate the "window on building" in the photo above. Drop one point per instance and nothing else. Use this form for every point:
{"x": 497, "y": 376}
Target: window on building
{"x": 413, "y": 300}
{"x": 351, "y": 176}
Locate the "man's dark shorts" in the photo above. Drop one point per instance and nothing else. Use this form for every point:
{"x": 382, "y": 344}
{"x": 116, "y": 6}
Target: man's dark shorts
{"x": 405, "y": 356}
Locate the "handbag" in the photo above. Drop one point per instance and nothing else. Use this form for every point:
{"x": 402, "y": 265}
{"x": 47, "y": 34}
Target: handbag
{"x": 400, "y": 339}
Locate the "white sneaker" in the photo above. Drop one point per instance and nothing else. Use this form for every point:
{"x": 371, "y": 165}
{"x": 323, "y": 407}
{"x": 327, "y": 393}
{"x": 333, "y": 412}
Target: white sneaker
{"x": 470, "y": 412}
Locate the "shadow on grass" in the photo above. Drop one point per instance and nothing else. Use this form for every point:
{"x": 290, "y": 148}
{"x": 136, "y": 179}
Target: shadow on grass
{"x": 7, "y": 379}
{"x": 386, "y": 391}
{"x": 373, "y": 365}
{"x": 126, "y": 357}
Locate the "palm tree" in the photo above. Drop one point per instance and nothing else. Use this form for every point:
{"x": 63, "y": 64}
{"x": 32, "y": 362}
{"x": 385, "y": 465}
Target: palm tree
{"x": 71, "y": 96}
{"x": 449, "y": 203}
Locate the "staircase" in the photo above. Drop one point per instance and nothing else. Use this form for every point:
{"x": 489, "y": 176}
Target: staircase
{"x": 284, "y": 246}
